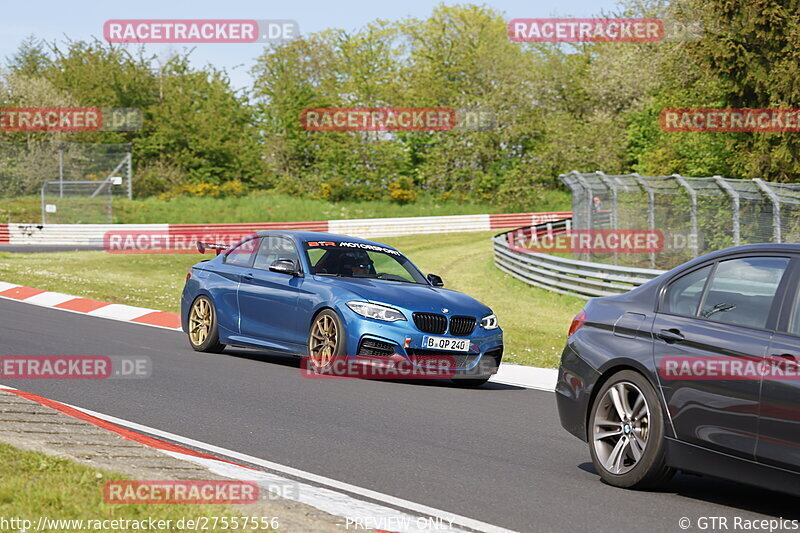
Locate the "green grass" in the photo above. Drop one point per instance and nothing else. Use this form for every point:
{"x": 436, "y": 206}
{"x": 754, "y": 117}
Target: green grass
{"x": 33, "y": 484}
{"x": 264, "y": 207}
{"x": 535, "y": 321}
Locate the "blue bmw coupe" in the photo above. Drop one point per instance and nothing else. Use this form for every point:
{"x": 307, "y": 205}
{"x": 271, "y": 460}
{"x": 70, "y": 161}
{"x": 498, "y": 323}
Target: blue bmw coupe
{"x": 323, "y": 296}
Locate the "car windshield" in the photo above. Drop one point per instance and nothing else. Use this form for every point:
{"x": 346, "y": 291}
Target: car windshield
{"x": 360, "y": 260}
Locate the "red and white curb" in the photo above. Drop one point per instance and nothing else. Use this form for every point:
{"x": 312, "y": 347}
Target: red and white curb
{"x": 326, "y": 494}
{"x": 528, "y": 377}
{"x": 87, "y": 306}
{"x": 94, "y": 234}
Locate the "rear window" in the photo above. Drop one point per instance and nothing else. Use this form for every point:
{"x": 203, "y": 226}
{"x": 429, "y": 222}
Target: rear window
{"x": 684, "y": 294}
{"x": 243, "y": 254}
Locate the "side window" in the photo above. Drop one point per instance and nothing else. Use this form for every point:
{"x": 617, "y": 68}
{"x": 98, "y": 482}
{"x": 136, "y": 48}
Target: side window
{"x": 273, "y": 248}
{"x": 683, "y": 295}
{"x": 315, "y": 256}
{"x": 742, "y": 290}
{"x": 243, "y": 254}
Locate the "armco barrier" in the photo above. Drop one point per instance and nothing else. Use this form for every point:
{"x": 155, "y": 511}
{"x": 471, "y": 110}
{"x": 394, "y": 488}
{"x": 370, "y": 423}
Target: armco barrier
{"x": 568, "y": 276}
{"x": 92, "y": 234}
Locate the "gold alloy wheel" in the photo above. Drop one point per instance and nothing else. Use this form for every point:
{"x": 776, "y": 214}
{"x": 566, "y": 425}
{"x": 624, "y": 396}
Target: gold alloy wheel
{"x": 200, "y": 321}
{"x": 324, "y": 340}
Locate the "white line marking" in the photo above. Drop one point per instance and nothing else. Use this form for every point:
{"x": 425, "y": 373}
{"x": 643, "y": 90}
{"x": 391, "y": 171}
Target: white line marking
{"x": 327, "y": 500}
{"x": 120, "y": 311}
{"x": 49, "y": 299}
{"x": 530, "y": 377}
{"x": 308, "y": 476}
{"x": 4, "y": 286}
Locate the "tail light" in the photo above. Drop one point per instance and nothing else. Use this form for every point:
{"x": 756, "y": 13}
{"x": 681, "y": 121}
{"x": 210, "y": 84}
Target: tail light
{"x": 577, "y": 322}
{"x": 188, "y": 276}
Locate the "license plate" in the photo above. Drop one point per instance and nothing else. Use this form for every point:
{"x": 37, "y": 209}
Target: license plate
{"x": 443, "y": 343}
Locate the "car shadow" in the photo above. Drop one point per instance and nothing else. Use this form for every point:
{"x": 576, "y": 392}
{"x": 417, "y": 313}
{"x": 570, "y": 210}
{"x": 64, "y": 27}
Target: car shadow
{"x": 255, "y": 354}
{"x": 723, "y": 492}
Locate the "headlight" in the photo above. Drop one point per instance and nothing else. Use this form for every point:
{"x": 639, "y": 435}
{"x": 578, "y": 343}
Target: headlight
{"x": 489, "y": 322}
{"x": 378, "y": 312}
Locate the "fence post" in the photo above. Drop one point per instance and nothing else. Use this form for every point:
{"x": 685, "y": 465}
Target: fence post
{"x": 730, "y": 191}
{"x": 693, "y": 195}
{"x": 60, "y": 171}
{"x": 43, "y": 211}
{"x": 609, "y": 183}
{"x": 589, "y": 205}
{"x": 108, "y": 205}
{"x": 129, "y": 171}
{"x": 651, "y": 209}
{"x": 776, "y": 208}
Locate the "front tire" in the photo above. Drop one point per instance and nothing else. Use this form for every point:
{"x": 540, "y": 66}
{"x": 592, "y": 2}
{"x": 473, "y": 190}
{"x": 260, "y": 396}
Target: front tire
{"x": 203, "y": 331}
{"x": 626, "y": 433}
{"x": 326, "y": 340}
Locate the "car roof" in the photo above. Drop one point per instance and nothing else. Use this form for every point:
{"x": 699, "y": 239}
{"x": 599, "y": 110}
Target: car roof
{"x": 766, "y": 247}
{"x": 302, "y": 236}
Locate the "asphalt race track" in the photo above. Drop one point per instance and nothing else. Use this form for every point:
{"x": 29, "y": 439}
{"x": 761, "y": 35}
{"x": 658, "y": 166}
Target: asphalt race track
{"x": 496, "y": 454}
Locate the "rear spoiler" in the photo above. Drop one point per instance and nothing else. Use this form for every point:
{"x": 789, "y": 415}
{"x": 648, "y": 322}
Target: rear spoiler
{"x": 203, "y": 246}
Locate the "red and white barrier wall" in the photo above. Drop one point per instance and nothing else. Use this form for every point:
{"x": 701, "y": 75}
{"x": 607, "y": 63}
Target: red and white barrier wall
{"x": 93, "y": 234}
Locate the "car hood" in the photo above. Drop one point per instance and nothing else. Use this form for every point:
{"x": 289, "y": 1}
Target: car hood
{"x": 413, "y": 296}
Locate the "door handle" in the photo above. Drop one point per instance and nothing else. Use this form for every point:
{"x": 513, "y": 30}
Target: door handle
{"x": 670, "y": 335}
{"x": 788, "y": 356}
{"x": 248, "y": 276}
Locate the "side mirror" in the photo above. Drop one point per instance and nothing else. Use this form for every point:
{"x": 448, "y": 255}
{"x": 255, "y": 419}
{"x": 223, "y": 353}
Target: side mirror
{"x": 284, "y": 266}
{"x": 435, "y": 280}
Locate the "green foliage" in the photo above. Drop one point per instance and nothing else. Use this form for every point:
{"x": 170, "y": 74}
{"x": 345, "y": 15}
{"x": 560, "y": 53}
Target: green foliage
{"x": 402, "y": 190}
{"x": 196, "y": 128}
{"x": 555, "y": 107}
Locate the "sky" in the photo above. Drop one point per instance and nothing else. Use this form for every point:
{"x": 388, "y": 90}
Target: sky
{"x": 56, "y": 20}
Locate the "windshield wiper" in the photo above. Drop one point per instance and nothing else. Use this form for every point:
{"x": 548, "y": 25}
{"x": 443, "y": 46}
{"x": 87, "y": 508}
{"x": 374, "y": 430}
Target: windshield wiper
{"x": 392, "y": 277}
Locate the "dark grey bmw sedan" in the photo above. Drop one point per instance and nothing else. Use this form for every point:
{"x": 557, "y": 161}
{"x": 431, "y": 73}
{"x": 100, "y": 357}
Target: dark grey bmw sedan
{"x": 696, "y": 370}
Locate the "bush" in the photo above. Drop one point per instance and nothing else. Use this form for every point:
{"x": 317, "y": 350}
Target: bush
{"x": 156, "y": 178}
{"x": 233, "y": 188}
{"x": 207, "y": 190}
{"x": 337, "y": 190}
{"x": 402, "y": 190}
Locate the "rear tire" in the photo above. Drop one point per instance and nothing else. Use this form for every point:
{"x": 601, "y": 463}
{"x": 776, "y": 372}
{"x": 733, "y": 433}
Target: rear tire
{"x": 626, "y": 433}
{"x": 203, "y": 332}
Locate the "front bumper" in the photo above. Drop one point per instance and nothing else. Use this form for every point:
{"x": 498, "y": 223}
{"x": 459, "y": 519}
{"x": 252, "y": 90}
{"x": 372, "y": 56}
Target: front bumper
{"x": 402, "y": 340}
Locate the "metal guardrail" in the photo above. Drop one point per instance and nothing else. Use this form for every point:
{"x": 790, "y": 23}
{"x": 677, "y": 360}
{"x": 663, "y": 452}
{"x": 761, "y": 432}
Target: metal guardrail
{"x": 567, "y": 276}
